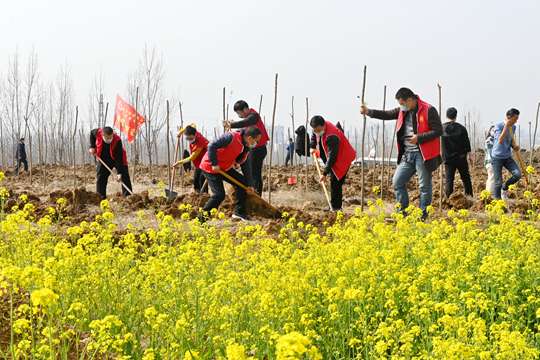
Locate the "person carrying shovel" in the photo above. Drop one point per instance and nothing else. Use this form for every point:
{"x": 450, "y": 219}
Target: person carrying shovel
{"x": 107, "y": 147}
{"x": 218, "y": 164}
{"x": 198, "y": 145}
{"x": 330, "y": 142}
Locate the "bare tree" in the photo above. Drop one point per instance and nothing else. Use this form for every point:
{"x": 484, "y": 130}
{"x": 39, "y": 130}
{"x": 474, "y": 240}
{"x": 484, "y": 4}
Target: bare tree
{"x": 151, "y": 75}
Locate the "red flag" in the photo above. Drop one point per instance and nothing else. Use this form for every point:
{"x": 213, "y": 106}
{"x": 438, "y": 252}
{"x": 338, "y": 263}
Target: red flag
{"x": 127, "y": 119}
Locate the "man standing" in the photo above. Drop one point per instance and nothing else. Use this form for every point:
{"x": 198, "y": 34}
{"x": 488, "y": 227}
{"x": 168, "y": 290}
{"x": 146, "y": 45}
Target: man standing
{"x": 501, "y": 154}
{"x": 223, "y": 155}
{"x": 290, "y": 153}
{"x": 20, "y": 155}
{"x": 456, "y": 146}
{"x": 338, "y": 156}
{"x": 107, "y": 146}
{"x": 198, "y": 145}
{"x": 419, "y": 131}
{"x": 252, "y": 168}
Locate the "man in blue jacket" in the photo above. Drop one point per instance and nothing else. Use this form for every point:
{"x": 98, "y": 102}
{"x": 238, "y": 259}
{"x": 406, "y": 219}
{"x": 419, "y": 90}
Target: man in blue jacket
{"x": 501, "y": 154}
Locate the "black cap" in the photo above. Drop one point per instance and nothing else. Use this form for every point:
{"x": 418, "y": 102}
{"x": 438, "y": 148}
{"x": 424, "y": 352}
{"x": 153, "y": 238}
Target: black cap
{"x": 451, "y": 113}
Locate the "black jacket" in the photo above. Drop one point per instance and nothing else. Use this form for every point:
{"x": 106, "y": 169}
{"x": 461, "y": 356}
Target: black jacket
{"x": 106, "y": 152}
{"x": 302, "y": 139}
{"x": 20, "y": 154}
{"x": 434, "y": 122}
{"x": 455, "y": 141}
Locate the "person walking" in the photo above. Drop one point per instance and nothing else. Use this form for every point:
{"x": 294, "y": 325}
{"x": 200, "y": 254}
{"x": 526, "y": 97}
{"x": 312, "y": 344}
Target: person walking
{"x": 456, "y": 146}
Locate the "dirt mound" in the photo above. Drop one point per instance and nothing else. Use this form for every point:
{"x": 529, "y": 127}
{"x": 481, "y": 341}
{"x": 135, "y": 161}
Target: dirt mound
{"x": 136, "y": 201}
{"x": 460, "y": 201}
{"x": 316, "y": 218}
{"x": 80, "y": 196}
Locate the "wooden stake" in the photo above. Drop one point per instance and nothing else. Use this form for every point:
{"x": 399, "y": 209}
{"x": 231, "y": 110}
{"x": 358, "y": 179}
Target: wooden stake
{"x": 293, "y": 134}
{"x": 182, "y": 143}
{"x": 136, "y": 143}
{"x": 306, "y": 145}
{"x": 362, "y": 191}
{"x": 168, "y": 149}
{"x": 224, "y": 112}
{"x": 272, "y": 143}
{"x": 73, "y": 163}
{"x": 441, "y": 166}
{"x": 534, "y": 137}
{"x": 383, "y": 173}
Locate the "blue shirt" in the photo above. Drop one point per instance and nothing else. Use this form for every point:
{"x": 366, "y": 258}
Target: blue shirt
{"x": 504, "y": 150}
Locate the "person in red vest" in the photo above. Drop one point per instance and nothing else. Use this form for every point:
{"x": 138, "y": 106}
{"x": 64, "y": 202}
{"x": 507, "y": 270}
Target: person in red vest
{"x": 198, "y": 146}
{"x": 419, "y": 131}
{"x": 106, "y": 145}
{"x": 252, "y": 168}
{"x": 224, "y": 155}
{"x": 337, "y": 153}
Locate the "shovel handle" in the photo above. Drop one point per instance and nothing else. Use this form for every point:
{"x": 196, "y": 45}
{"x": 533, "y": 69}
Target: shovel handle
{"x": 322, "y": 183}
{"x": 236, "y": 182}
{"x": 175, "y": 160}
{"x": 110, "y": 170}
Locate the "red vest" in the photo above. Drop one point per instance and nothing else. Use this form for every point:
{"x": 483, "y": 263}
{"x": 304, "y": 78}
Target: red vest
{"x": 199, "y": 143}
{"x": 226, "y": 156}
{"x": 262, "y": 128}
{"x": 346, "y": 153}
{"x": 115, "y": 140}
{"x": 429, "y": 149}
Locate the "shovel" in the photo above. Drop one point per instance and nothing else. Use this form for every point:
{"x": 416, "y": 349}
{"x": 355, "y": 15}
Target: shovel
{"x": 257, "y": 196}
{"x": 169, "y": 193}
{"x": 110, "y": 170}
{"x": 316, "y": 161}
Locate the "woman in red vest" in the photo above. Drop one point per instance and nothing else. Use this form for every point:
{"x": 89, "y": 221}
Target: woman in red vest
{"x": 106, "y": 145}
{"x": 252, "y": 168}
{"x": 419, "y": 131}
{"x": 338, "y": 156}
{"x": 198, "y": 146}
{"x": 223, "y": 156}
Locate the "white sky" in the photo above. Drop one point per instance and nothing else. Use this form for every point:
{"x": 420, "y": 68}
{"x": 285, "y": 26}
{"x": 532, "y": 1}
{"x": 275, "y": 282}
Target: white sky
{"x": 485, "y": 53}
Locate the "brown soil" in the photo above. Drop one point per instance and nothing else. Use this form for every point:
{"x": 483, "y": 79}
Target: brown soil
{"x": 306, "y": 202}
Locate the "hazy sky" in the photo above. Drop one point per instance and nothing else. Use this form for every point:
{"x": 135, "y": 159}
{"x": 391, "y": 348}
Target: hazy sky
{"x": 485, "y": 53}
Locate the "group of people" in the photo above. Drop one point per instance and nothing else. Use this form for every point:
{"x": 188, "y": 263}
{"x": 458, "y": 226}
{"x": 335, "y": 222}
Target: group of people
{"x": 237, "y": 156}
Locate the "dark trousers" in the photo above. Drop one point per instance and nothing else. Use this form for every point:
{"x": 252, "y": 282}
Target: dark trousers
{"x": 215, "y": 182}
{"x": 336, "y": 191}
{"x": 103, "y": 178}
{"x": 460, "y": 164}
{"x": 198, "y": 181}
{"x": 253, "y": 166}
{"x": 19, "y": 162}
{"x": 289, "y": 158}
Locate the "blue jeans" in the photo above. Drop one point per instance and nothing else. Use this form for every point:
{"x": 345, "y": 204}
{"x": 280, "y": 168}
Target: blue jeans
{"x": 411, "y": 163}
{"x": 510, "y": 165}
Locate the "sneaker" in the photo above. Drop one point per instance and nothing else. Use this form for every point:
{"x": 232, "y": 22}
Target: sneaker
{"x": 504, "y": 195}
{"x": 424, "y": 216}
{"x": 240, "y": 217}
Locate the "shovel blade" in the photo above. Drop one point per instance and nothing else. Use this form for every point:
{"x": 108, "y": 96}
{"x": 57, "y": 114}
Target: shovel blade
{"x": 171, "y": 195}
